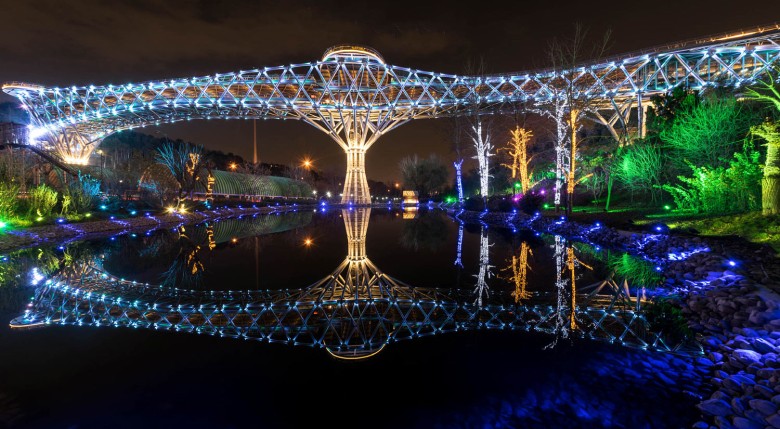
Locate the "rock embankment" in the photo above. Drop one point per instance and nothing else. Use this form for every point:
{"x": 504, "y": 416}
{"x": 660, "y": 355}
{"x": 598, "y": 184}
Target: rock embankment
{"x": 17, "y": 239}
{"x": 727, "y": 289}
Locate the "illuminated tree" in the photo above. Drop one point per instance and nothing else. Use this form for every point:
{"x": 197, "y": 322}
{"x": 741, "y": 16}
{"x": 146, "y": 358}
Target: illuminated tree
{"x": 769, "y": 131}
{"x": 457, "y": 130}
{"x": 770, "y": 183}
{"x": 423, "y": 175}
{"x": 482, "y": 290}
{"x": 707, "y": 133}
{"x": 184, "y": 161}
{"x": 569, "y": 107}
{"x": 480, "y": 135}
{"x": 517, "y": 148}
{"x": 518, "y": 272}
{"x": 639, "y": 168}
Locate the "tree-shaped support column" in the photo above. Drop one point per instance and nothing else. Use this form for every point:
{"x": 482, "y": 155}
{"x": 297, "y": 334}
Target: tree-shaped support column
{"x": 355, "y": 183}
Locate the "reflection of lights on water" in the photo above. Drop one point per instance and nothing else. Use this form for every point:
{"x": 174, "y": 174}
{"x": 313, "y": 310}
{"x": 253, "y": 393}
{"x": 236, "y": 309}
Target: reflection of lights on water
{"x": 35, "y": 276}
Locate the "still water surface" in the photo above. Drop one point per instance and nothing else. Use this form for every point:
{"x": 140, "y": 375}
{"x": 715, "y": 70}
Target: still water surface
{"x": 394, "y": 304}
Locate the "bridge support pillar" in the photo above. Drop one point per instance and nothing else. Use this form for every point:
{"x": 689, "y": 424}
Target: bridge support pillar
{"x": 355, "y": 183}
{"x": 72, "y": 146}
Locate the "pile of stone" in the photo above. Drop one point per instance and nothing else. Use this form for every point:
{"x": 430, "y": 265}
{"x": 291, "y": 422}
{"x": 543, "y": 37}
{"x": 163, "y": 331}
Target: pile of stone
{"x": 727, "y": 291}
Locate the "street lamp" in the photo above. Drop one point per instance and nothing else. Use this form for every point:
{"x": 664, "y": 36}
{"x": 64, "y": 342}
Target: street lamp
{"x": 233, "y": 166}
{"x": 307, "y": 163}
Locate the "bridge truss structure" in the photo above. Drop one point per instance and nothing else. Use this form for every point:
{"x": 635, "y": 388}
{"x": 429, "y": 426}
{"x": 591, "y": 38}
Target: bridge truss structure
{"x": 354, "y": 97}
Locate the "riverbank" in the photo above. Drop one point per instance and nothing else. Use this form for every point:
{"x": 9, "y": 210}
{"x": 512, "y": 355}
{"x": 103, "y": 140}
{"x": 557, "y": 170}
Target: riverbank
{"x": 22, "y": 238}
{"x": 727, "y": 289}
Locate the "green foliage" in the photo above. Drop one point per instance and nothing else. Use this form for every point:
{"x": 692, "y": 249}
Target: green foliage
{"x": 721, "y": 190}
{"x": 667, "y": 318}
{"x": 9, "y": 204}
{"x": 639, "y": 168}
{"x": 184, "y": 161}
{"x": 423, "y": 175}
{"x": 42, "y": 200}
{"x": 707, "y": 133}
{"x": 666, "y": 107}
{"x": 635, "y": 270}
{"x": 81, "y": 195}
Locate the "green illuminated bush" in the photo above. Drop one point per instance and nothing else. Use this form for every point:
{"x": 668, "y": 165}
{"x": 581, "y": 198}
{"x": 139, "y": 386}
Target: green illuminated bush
{"x": 41, "y": 201}
{"x": 707, "y": 133}
{"x": 82, "y": 194}
{"x": 9, "y": 204}
{"x": 635, "y": 270}
{"x": 721, "y": 190}
{"x": 668, "y": 319}
{"x": 639, "y": 168}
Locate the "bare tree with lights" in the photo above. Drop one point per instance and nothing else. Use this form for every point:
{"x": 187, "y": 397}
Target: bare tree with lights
{"x": 517, "y": 149}
{"x": 483, "y": 148}
{"x": 185, "y": 161}
{"x": 570, "y": 104}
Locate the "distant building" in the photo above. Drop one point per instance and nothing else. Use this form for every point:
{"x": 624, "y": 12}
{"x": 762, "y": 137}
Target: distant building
{"x": 410, "y": 197}
{"x": 11, "y": 132}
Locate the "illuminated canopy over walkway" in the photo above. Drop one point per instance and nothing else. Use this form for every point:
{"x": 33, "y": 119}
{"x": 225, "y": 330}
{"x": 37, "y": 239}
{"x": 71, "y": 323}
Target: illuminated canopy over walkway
{"x": 352, "y": 95}
{"x": 353, "y": 312}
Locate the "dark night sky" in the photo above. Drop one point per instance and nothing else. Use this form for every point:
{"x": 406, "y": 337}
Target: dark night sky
{"x": 99, "y": 42}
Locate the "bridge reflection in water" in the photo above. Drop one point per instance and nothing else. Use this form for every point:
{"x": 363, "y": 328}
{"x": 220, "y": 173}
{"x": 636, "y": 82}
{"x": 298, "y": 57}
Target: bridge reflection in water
{"x": 353, "y": 313}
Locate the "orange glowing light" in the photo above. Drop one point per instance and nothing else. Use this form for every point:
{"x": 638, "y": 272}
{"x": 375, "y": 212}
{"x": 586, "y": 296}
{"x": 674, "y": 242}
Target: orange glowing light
{"x": 234, "y": 240}
{"x": 233, "y": 166}
{"x": 308, "y": 242}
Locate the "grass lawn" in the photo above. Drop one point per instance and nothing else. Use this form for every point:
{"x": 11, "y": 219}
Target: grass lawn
{"x": 753, "y": 227}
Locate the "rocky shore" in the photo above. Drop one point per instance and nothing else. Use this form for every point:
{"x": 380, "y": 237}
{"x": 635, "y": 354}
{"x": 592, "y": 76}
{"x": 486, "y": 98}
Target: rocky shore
{"x": 727, "y": 289}
{"x": 18, "y": 239}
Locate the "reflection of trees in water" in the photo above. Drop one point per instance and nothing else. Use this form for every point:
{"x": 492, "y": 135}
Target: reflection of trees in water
{"x": 565, "y": 262}
{"x": 10, "y": 411}
{"x": 16, "y": 271}
{"x": 186, "y": 269}
{"x": 426, "y": 232}
{"x": 518, "y": 272}
{"x": 620, "y": 265}
{"x": 482, "y": 290}
{"x": 131, "y": 255}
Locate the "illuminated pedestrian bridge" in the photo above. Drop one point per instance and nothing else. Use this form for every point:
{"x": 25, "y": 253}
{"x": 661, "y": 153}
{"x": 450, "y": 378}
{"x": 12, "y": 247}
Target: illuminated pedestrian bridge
{"x": 353, "y": 96}
{"x": 353, "y": 312}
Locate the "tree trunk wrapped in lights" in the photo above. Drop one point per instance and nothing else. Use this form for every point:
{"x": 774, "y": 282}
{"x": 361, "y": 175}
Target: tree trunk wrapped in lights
{"x": 570, "y": 181}
{"x": 459, "y": 178}
{"x": 482, "y": 146}
{"x": 770, "y": 183}
{"x": 518, "y": 270}
{"x": 769, "y": 131}
{"x": 518, "y": 152}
